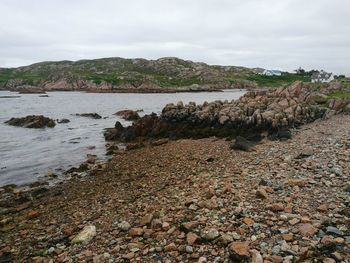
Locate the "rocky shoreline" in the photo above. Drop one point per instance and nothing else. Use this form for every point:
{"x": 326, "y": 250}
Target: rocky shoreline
{"x": 255, "y": 113}
{"x": 197, "y": 201}
{"x": 185, "y": 200}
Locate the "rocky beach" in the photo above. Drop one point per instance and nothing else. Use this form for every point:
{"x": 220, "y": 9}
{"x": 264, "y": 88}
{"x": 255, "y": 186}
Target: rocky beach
{"x": 182, "y": 192}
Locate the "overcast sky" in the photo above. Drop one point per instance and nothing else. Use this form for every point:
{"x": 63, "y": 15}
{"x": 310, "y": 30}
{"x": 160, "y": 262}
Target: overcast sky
{"x": 276, "y": 34}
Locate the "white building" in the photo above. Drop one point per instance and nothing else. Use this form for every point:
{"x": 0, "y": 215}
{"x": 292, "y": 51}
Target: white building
{"x": 270, "y": 72}
{"x": 322, "y": 77}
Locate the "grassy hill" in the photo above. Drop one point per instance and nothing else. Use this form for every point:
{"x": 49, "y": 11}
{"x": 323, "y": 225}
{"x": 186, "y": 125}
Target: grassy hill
{"x": 163, "y": 72}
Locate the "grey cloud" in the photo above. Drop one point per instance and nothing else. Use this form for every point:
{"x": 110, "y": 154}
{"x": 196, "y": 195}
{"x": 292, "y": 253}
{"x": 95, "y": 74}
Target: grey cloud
{"x": 254, "y": 33}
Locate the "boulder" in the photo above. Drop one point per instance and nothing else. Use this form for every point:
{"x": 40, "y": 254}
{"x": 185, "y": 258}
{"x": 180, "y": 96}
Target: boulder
{"x": 128, "y": 115}
{"x": 32, "y": 121}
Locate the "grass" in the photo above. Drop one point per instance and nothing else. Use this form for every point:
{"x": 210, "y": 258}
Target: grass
{"x": 340, "y": 95}
{"x": 9, "y": 74}
{"x": 277, "y": 81}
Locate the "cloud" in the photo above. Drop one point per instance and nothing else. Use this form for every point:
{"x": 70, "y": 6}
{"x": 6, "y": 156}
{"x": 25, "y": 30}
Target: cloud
{"x": 254, "y": 33}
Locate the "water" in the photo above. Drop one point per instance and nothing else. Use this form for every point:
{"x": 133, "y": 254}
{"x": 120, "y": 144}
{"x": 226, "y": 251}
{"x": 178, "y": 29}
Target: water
{"x": 27, "y": 154}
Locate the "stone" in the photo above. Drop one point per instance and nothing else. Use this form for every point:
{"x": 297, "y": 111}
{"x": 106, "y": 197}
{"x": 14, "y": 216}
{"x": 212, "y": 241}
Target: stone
{"x": 129, "y": 115}
{"x": 239, "y": 251}
{"x": 129, "y": 256}
{"x": 136, "y": 231}
{"x": 256, "y": 256}
{"x": 334, "y": 231}
{"x": 192, "y": 238}
{"x": 63, "y": 121}
{"x": 277, "y": 207}
{"x": 170, "y": 247}
{"x": 32, "y": 121}
{"x": 89, "y": 115}
{"x": 306, "y": 152}
{"x": 146, "y": 220}
{"x": 210, "y": 234}
{"x": 288, "y": 237}
{"x": 33, "y": 214}
{"x": 85, "y": 236}
{"x": 261, "y": 193}
{"x": 248, "y": 221}
{"x": 307, "y": 230}
{"x": 124, "y": 226}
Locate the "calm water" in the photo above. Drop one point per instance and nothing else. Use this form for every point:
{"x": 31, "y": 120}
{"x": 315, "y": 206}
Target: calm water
{"x": 27, "y": 154}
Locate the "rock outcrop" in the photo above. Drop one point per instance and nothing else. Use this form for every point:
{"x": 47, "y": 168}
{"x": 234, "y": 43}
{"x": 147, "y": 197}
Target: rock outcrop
{"x": 274, "y": 111}
{"x": 32, "y": 121}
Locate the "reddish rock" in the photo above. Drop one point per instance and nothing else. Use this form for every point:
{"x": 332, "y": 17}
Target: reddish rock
{"x": 192, "y": 238}
{"x": 277, "y": 207}
{"x": 170, "y": 247}
{"x": 33, "y": 214}
{"x": 146, "y": 220}
{"x": 307, "y": 230}
{"x": 239, "y": 251}
{"x": 248, "y": 221}
{"x": 136, "y": 231}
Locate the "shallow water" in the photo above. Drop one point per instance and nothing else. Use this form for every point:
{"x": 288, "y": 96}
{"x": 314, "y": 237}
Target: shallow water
{"x": 27, "y": 154}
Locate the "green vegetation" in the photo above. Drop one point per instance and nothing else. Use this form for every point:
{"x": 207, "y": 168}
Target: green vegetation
{"x": 164, "y": 72}
{"x": 277, "y": 81}
{"x": 340, "y": 95}
{"x": 8, "y": 74}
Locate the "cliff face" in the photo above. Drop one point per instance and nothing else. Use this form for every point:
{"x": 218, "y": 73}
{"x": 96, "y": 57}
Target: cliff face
{"x": 113, "y": 74}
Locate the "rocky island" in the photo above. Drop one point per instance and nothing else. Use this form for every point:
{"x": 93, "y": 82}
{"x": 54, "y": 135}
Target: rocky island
{"x": 261, "y": 179}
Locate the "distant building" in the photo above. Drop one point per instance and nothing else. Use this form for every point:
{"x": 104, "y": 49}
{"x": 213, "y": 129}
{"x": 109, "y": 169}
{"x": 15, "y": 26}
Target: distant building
{"x": 270, "y": 72}
{"x": 322, "y": 77}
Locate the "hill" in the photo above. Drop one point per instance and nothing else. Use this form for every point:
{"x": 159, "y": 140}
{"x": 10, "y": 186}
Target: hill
{"x": 120, "y": 74}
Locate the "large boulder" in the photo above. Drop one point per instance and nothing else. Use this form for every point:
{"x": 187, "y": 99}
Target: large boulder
{"x": 32, "y": 121}
{"x": 129, "y": 115}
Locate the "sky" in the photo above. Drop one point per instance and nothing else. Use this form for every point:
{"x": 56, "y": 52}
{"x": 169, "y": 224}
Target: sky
{"x": 272, "y": 34}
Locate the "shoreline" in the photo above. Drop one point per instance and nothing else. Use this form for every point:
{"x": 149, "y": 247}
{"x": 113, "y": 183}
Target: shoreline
{"x": 268, "y": 196}
{"x": 131, "y": 91}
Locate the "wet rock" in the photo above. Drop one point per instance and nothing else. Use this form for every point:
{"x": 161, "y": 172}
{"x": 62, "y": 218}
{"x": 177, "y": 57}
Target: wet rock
{"x": 89, "y": 115}
{"x": 63, "y": 121}
{"x": 85, "y": 236}
{"x": 32, "y": 121}
{"x": 129, "y": 115}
